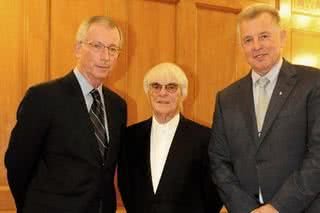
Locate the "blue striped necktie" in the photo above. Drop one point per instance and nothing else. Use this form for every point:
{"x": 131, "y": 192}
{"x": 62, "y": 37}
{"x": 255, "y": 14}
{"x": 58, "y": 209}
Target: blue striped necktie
{"x": 97, "y": 118}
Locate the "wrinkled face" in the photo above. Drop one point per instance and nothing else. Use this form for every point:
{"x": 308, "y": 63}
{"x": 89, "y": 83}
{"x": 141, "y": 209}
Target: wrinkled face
{"x": 165, "y": 98}
{"x": 96, "y": 53}
{"x": 262, "y": 40}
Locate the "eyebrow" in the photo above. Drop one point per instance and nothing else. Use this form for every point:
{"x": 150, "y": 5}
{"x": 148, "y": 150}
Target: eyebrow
{"x": 261, "y": 33}
{"x": 110, "y": 45}
{"x": 265, "y": 32}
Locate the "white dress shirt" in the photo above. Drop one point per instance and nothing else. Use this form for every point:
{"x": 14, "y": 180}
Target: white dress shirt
{"x": 160, "y": 141}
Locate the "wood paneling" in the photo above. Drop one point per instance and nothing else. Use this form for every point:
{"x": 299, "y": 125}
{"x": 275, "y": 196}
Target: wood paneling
{"x": 11, "y": 81}
{"x": 151, "y": 40}
{"x": 38, "y": 38}
{"x": 65, "y": 17}
{"x": 306, "y": 48}
{"x": 186, "y": 49}
{"x": 36, "y": 46}
{"x": 6, "y": 200}
{"x": 216, "y": 56}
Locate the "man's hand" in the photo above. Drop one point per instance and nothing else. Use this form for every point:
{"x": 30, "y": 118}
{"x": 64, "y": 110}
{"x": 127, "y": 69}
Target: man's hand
{"x": 265, "y": 209}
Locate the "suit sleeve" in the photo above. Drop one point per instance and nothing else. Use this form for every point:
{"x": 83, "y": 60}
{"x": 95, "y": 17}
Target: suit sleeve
{"x": 25, "y": 145}
{"x": 235, "y": 199}
{"x": 303, "y": 185}
{"x": 123, "y": 174}
{"x": 213, "y": 203}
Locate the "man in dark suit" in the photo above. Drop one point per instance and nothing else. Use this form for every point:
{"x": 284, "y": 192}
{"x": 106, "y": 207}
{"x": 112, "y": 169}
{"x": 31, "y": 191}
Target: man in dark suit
{"x": 164, "y": 164}
{"x": 265, "y": 146}
{"x": 64, "y": 147}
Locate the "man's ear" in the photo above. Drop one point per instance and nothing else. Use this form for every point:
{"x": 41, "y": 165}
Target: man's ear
{"x": 283, "y": 37}
{"x": 77, "y": 49}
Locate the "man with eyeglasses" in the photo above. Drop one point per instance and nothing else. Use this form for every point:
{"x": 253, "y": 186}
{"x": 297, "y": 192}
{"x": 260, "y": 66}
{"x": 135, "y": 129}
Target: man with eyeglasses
{"x": 64, "y": 148}
{"x": 164, "y": 162}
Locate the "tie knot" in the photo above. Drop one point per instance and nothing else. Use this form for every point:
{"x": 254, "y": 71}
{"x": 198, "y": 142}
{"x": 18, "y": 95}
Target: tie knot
{"x": 95, "y": 95}
{"x": 262, "y": 82}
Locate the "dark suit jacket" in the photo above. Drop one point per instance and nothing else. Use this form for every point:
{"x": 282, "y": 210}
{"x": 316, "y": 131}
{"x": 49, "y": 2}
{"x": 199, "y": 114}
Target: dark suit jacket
{"x": 53, "y": 160}
{"x": 185, "y": 185}
{"x": 285, "y": 160}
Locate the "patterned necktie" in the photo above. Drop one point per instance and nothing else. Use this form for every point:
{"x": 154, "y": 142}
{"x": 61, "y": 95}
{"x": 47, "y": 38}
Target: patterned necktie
{"x": 262, "y": 102}
{"x": 97, "y": 118}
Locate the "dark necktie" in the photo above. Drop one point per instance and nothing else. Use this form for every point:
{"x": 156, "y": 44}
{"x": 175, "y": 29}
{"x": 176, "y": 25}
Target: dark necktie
{"x": 97, "y": 118}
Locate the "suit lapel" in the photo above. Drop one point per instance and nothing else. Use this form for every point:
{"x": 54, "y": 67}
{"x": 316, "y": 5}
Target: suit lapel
{"x": 81, "y": 116}
{"x": 286, "y": 82}
{"x": 144, "y": 138}
{"x": 109, "y": 107}
{"x": 174, "y": 154}
{"x": 247, "y": 106}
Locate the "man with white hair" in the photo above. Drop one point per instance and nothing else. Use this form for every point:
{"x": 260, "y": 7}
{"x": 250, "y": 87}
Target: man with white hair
{"x": 164, "y": 166}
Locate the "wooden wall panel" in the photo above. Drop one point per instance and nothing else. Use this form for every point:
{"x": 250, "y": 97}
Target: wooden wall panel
{"x": 303, "y": 30}
{"x": 11, "y": 63}
{"x": 199, "y": 35}
{"x": 118, "y": 10}
{"x": 151, "y": 40}
{"x": 65, "y": 17}
{"x": 216, "y": 56}
{"x": 186, "y": 49}
{"x": 306, "y": 48}
{"x": 36, "y": 30}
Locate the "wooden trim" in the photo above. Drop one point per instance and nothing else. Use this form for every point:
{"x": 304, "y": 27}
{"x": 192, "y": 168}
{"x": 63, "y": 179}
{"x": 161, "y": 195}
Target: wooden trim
{"x": 24, "y": 51}
{"x": 48, "y": 56}
{"x": 6, "y": 200}
{"x": 303, "y": 31}
{"x": 217, "y": 7}
{"x": 166, "y": 1}
{"x": 277, "y": 4}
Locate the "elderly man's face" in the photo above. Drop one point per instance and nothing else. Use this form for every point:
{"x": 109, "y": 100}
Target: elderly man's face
{"x": 95, "y": 56}
{"x": 165, "y": 98}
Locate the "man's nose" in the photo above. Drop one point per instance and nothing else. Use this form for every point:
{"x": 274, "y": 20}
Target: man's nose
{"x": 105, "y": 55}
{"x": 163, "y": 90}
{"x": 256, "y": 44}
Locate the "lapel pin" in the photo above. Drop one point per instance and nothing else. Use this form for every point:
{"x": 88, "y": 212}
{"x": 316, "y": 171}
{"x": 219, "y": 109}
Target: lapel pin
{"x": 280, "y": 93}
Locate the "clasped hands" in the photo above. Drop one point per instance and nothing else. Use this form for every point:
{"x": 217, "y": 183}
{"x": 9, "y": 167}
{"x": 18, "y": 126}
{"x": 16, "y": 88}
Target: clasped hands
{"x": 267, "y": 208}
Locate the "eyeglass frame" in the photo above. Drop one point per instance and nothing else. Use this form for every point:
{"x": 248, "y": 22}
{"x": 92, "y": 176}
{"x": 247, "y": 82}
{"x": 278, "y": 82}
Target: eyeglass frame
{"x": 98, "y": 47}
{"x": 157, "y": 87}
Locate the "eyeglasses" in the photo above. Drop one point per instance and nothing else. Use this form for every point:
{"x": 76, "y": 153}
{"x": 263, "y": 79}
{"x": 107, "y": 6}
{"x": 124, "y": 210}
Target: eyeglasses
{"x": 170, "y": 88}
{"x": 98, "y": 47}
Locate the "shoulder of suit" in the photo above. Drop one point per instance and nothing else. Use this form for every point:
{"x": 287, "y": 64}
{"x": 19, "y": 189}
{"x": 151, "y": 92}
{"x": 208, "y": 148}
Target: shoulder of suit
{"x": 307, "y": 70}
{"x": 46, "y": 88}
{"x": 140, "y": 124}
{"x": 194, "y": 125}
{"x": 193, "y": 130}
{"x": 232, "y": 90}
{"x": 113, "y": 95}
{"x": 134, "y": 130}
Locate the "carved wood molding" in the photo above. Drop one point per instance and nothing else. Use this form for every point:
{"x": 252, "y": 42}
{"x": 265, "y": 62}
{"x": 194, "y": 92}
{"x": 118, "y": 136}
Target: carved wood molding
{"x": 217, "y": 7}
{"x": 166, "y": 1}
{"x": 306, "y": 7}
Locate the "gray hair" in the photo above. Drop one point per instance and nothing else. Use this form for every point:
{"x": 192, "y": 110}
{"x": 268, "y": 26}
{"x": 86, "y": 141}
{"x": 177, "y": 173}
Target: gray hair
{"x": 254, "y": 10}
{"x": 85, "y": 25}
{"x": 166, "y": 71}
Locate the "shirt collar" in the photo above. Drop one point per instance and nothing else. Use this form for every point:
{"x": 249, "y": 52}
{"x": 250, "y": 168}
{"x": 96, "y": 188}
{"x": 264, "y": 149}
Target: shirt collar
{"x": 170, "y": 124}
{"x": 272, "y": 75}
{"x": 86, "y": 87}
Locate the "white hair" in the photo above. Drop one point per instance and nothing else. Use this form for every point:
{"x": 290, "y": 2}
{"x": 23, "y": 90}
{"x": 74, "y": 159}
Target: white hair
{"x": 166, "y": 72}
